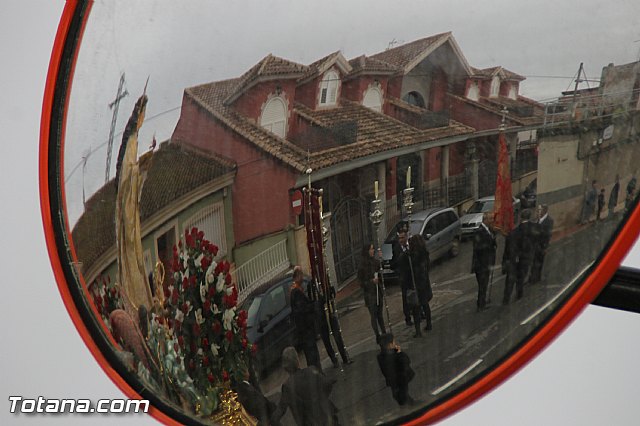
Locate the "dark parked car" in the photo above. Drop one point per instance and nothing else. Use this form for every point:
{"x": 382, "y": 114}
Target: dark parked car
{"x": 440, "y": 227}
{"x": 269, "y": 322}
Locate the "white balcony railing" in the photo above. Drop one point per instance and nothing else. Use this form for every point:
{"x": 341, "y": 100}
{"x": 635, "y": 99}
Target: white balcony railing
{"x": 261, "y": 268}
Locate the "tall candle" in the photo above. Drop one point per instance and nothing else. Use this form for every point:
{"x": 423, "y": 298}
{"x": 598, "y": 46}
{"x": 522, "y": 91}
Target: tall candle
{"x": 320, "y": 205}
{"x": 409, "y": 177}
{"x": 375, "y": 188}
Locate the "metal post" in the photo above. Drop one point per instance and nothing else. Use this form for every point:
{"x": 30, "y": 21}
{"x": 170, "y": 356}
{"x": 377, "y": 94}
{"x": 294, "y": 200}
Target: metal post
{"x": 376, "y": 219}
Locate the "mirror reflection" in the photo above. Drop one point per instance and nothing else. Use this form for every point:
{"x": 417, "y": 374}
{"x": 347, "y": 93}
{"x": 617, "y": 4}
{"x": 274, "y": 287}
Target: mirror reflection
{"x": 339, "y": 232}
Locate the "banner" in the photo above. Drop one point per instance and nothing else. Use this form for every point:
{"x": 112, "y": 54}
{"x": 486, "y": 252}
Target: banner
{"x": 503, "y": 206}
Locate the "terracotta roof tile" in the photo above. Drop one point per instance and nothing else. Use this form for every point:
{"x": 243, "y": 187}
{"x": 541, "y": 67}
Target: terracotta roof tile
{"x": 402, "y": 56}
{"x": 269, "y": 66}
{"x": 364, "y": 64}
{"x": 490, "y": 72}
{"x": 174, "y": 172}
{"x": 523, "y": 111}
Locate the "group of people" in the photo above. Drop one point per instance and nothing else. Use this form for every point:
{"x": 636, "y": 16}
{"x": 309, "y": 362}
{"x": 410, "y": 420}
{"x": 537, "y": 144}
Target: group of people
{"x": 595, "y": 201}
{"x": 523, "y": 258}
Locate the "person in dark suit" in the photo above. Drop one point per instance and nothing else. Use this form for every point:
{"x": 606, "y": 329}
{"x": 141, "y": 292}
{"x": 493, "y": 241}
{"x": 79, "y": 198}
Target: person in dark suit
{"x": 370, "y": 285}
{"x": 483, "y": 259}
{"x": 518, "y": 255}
{"x": 613, "y": 197}
{"x": 252, "y": 399}
{"x": 303, "y": 312}
{"x": 396, "y": 369}
{"x": 400, "y": 264}
{"x": 420, "y": 264}
{"x": 545, "y": 229}
{"x": 306, "y": 394}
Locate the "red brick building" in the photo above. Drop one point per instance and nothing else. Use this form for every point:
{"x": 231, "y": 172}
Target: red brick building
{"x": 351, "y": 122}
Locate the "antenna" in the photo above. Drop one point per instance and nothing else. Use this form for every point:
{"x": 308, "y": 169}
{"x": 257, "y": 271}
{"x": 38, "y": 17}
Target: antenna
{"x": 85, "y": 157}
{"x": 114, "y": 105}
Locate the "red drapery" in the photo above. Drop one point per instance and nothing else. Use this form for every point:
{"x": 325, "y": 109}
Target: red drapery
{"x": 503, "y": 206}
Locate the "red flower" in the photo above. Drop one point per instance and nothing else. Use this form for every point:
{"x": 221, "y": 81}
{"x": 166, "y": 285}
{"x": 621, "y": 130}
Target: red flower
{"x": 225, "y": 375}
{"x": 244, "y": 344}
{"x": 200, "y": 235}
{"x": 229, "y": 336}
{"x": 185, "y": 308}
{"x": 196, "y": 329}
{"x": 226, "y": 266}
{"x": 205, "y": 263}
{"x": 205, "y": 361}
{"x": 181, "y": 341}
{"x": 175, "y": 347}
{"x": 192, "y": 346}
{"x": 213, "y": 249}
{"x": 192, "y": 365}
{"x": 160, "y": 320}
{"x": 174, "y": 297}
{"x": 189, "y": 240}
{"x": 205, "y": 343}
{"x": 192, "y": 281}
{"x": 254, "y": 348}
{"x": 218, "y": 270}
{"x": 194, "y": 232}
{"x": 206, "y": 306}
{"x": 227, "y": 278}
{"x": 212, "y": 290}
{"x": 211, "y": 378}
{"x": 185, "y": 283}
{"x": 167, "y": 294}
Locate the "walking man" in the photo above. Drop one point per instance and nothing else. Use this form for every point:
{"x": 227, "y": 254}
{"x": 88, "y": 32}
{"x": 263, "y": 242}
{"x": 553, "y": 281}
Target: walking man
{"x": 590, "y": 199}
{"x": 613, "y": 197}
{"x": 401, "y": 265}
{"x": 303, "y": 311}
{"x": 518, "y": 256}
{"x": 484, "y": 257}
{"x": 545, "y": 229}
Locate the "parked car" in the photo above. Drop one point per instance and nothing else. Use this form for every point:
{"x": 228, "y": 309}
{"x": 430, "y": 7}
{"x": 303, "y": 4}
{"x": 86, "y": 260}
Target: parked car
{"x": 472, "y": 219}
{"x": 528, "y": 196}
{"x": 441, "y": 229}
{"x": 269, "y": 322}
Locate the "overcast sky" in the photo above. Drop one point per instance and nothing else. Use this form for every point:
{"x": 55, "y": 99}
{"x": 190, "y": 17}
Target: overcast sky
{"x": 587, "y": 377}
{"x": 182, "y": 44}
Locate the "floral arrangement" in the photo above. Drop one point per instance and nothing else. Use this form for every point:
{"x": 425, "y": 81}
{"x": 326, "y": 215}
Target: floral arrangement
{"x": 106, "y": 297}
{"x": 201, "y": 312}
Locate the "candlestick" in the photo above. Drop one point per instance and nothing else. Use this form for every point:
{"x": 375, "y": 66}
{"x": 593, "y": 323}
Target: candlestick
{"x": 409, "y": 177}
{"x": 375, "y": 189}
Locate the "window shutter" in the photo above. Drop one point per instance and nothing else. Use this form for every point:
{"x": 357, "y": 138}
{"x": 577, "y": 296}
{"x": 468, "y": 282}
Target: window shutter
{"x": 210, "y": 220}
{"x": 274, "y": 117}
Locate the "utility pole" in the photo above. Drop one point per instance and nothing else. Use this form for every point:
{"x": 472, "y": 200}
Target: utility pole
{"x": 575, "y": 90}
{"x": 114, "y": 105}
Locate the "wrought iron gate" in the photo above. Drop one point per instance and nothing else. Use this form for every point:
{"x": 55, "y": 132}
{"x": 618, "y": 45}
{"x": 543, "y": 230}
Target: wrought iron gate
{"x": 350, "y": 230}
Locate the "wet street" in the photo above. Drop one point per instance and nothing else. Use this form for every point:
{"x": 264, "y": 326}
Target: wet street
{"x": 463, "y": 345}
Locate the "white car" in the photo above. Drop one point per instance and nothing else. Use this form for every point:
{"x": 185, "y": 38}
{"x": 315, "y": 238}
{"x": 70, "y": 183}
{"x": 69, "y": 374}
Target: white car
{"x": 472, "y": 218}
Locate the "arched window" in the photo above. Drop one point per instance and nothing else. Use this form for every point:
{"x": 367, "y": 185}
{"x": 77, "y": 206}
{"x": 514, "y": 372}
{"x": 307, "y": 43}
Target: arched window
{"x": 474, "y": 91}
{"x": 373, "y": 99}
{"x": 495, "y": 87}
{"x": 329, "y": 88}
{"x": 274, "y": 117}
{"x": 513, "y": 94}
{"x": 414, "y": 98}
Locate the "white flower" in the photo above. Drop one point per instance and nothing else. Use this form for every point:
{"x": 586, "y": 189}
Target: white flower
{"x": 203, "y": 292}
{"x": 179, "y": 315}
{"x": 170, "y": 288}
{"x": 210, "y": 278}
{"x": 198, "y": 260}
{"x": 229, "y": 290}
{"x": 200, "y": 351}
{"x": 199, "y": 318}
{"x": 227, "y": 318}
{"x": 220, "y": 284}
{"x": 216, "y": 311}
{"x": 214, "y": 349}
{"x": 176, "y": 276}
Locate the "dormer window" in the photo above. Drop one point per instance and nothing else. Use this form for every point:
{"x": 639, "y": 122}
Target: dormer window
{"x": 513, "y": 93}
{"x": 274, "y": 116}
{"x": 329, "y": 88}
{"x": 495, "y": 87}
{"x": 373, "y": 98}
{"x": 474, "y": 91}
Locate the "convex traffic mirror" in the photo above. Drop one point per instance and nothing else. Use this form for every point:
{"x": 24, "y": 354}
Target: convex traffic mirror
{"x": 258, "y": 214}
